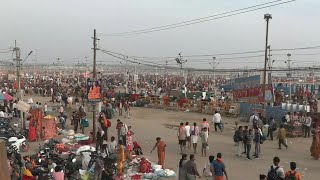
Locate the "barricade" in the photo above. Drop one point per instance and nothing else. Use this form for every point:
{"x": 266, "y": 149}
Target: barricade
{"x": 225, "y": 108}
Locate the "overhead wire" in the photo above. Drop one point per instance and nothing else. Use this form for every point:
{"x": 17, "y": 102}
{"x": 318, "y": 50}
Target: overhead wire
{"x": 204, "y": 19}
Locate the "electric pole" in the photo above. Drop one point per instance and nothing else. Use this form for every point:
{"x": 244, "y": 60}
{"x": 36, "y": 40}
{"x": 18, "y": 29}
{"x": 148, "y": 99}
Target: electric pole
{"x": 289, "y": 75}
{"x": 166, "y": 75}
{"x": 270, "y": 62}
{"x": 180, "y": 61}
{"x": 19, "y": 92}
{"x": 214, "y": 64}
{"x": 267, "y": 17}
{"x": 94, "y": 80}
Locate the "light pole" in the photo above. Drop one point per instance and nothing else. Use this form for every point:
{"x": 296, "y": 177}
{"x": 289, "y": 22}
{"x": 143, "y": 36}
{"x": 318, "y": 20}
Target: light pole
{"x": 267, "y": 17}
{"x": 214, "y": 64}
{"x": 19, "y": 92}
{"x": 180, "y": 61}
{"x": 289, "y": 75}
{"x": 270, "y": 62}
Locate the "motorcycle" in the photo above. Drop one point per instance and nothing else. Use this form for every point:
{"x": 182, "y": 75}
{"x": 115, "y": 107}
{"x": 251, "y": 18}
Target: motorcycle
{"x": 19, "y": 142}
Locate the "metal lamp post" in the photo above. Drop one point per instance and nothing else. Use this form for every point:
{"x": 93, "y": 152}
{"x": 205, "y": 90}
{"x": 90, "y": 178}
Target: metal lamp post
{"x": 267, "y": 17}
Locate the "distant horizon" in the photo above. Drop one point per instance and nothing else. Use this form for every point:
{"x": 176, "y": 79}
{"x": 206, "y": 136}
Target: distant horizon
{"x": 53, "y": 32}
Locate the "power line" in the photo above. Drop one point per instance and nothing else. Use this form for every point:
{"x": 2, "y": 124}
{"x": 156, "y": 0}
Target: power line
{"x": 235, "y": 53}
{"x": 204, "y": 19}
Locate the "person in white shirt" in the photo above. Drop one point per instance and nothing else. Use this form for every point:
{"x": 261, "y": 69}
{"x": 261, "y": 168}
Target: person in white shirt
{"x": 1, "y": 114}
{"x": 69, "y": 101}
{"x": 61, "y": 110}
{"x": 287, "y": 117}
{"x": 187, "y": 127}
{"x": 207, "y": 174}
{"x": 252, "y": 117}
{"x": 45, "y": 109}
{"x": 15, "y": 110}
{"x": 112, "y": 145}
{"x": 217, "y": 120}
{"x": 307, "y": 125}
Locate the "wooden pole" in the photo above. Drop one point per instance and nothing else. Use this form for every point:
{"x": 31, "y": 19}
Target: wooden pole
{"x": 4, "y": 175}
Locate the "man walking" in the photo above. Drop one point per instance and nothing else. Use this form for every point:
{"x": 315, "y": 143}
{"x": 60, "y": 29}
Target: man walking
{"x": 272, "y": 127}
{"x": 204, "y": 140}
{"x": 182, "y": 135}
{"x": 244, "y": 139}
{"x": 191, "y": 168}
{"x": 187, "y": 127}
{"x": 257, "y": 140}
{"x": 293, "y": 174}
{"x": 275, "y": 171}
{"x": 249, "y": 139}
{"x": 123, "y": 133}
{"x": 282, "y": 137}
{"x": 217, "y": 120}
{"x": 218, "y": 168}
{"x": 75, "y": 120}
{"x": 118, "y": 127}
{"x": 307, "y": 125}
{"x": 238, "y": 140}
{"x": 205, "y": 124}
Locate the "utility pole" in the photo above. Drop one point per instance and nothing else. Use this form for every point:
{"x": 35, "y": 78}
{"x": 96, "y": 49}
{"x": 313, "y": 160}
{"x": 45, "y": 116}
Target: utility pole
{"x": 267, "y": 17}
{"x": 270, "y": 62}
{"x": 166, "y": 75}
{"x": 289, "y": 75}
{"x": 135, "y": 76}
{"x": 180, "y": 61}
{"x": 214, "y": 64}
{"x": 94, "y": 79}
{"x": 19, "y": 92}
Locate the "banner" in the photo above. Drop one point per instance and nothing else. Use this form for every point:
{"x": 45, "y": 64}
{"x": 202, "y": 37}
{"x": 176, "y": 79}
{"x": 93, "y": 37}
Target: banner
{"x": 250, "y": 89}
{"x": 94, "y": 90}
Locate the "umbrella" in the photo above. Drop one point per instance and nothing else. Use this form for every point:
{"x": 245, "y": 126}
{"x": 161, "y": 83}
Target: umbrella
{"x": 5, "y": 96}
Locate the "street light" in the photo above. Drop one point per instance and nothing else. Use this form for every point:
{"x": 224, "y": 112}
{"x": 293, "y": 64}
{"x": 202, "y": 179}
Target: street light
{"x": 181, "y": 62}
{"x": 214, "y": 65}
{"x": 267, "y": 17}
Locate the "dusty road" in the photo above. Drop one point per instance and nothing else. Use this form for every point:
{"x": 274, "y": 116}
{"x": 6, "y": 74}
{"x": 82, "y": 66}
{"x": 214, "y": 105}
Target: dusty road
{"x": 150, "y": 123}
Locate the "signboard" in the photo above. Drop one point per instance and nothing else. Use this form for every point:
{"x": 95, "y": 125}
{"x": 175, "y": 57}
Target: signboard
{"x": 250, "y": 89}
{"x": 23, "y": 106}
{"x": 94, "y": 90}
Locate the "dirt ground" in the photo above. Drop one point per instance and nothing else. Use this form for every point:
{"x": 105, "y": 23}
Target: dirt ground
{"x": 147, "y": 124}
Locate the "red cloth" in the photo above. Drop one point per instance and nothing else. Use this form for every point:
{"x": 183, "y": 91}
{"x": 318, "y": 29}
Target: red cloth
{"x": 145, "y": 166}
{"x": 32, "y": 136}
{"x": 24, "y": 177}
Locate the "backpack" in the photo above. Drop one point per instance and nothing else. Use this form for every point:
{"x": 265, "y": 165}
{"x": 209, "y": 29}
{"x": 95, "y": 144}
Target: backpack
{"x": 106, "y": 123}
{"x": 272, "y": 174}
{"x": 237, "y": 137}
{"x": 292, "y": 176}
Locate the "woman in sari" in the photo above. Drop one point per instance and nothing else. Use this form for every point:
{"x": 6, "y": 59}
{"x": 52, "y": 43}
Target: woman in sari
{"x": 161, "y": 148}
{"x": 129, "y": 139}
{"x": 32, "y": 134}
{"x": 121, "y": 158}
{"x": 315, "y": 147}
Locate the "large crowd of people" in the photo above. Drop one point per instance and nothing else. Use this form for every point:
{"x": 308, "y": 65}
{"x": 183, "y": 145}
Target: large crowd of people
{"x": 69, "y": 95}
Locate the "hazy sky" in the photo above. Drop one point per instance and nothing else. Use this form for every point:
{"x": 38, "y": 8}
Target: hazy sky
{"x": 63, "y": 29}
